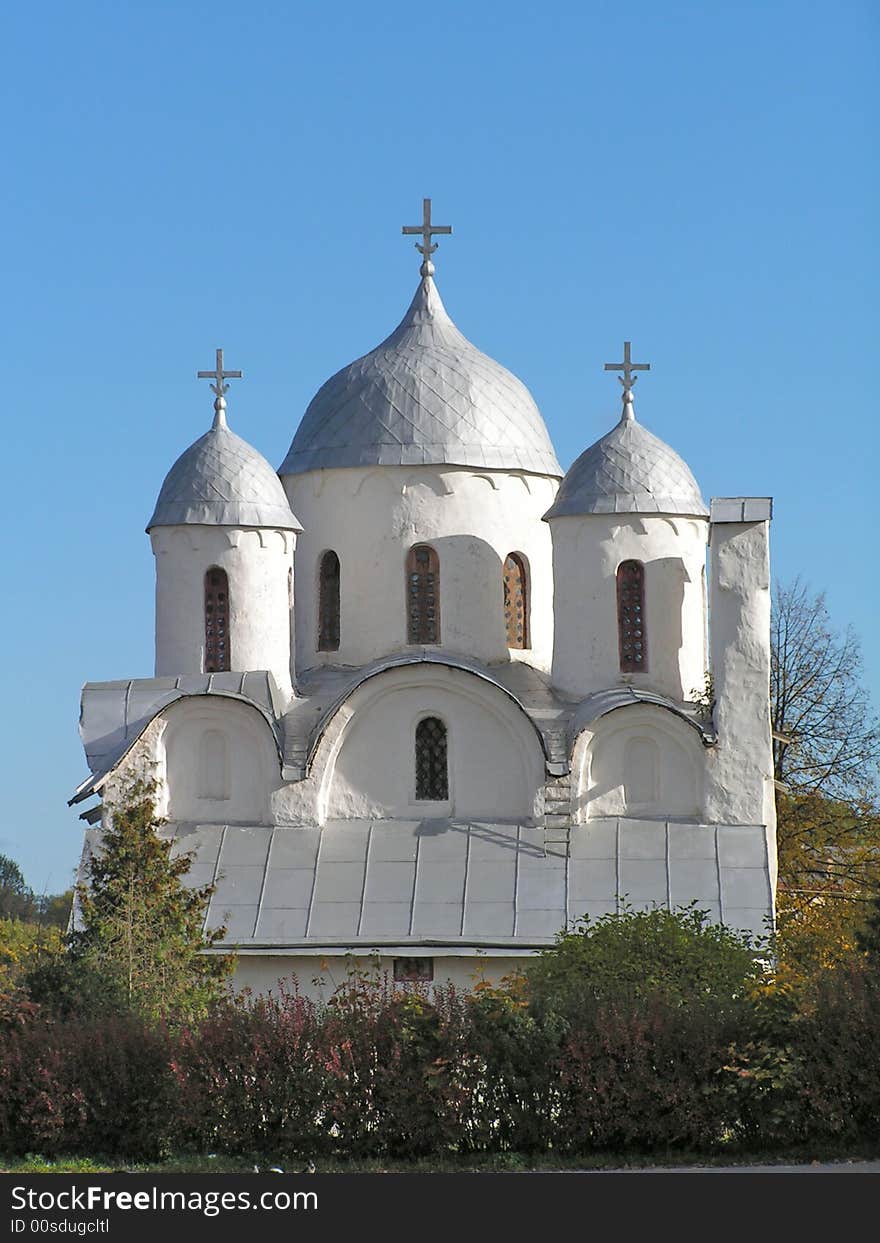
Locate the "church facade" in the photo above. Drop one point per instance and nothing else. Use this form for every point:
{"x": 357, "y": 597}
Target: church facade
{"x": 422, "y": 697}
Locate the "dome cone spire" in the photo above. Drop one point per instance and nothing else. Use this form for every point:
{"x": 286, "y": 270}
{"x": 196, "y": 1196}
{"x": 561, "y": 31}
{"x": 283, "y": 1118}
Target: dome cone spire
{"x": 218, "y": 375}
{"x": 627, "y": 380}
{"x": 426, "y": 248}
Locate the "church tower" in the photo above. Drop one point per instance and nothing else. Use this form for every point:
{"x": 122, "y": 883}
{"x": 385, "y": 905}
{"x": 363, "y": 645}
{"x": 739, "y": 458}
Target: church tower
{"x": 630, "y": 531}
{"x": 223, "y": 536}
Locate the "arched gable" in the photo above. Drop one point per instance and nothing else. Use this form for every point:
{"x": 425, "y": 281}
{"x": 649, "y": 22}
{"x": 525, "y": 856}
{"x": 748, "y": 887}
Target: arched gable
{"x": 364, "y": 760}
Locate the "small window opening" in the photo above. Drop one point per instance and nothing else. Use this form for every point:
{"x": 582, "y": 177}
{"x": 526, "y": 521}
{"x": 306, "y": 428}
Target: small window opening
{"x": 423, "y": 595}
{"x": 631, "y": 617}
{"x": 432, "y": 772}
{"x": 217, "y": 655}
{"x": 413, "y": 969}
{"x": 516, "y": 604}
{"x": 328, "y": 603}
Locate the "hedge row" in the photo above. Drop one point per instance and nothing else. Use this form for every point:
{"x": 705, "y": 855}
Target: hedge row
{"x": 383, "y": 1073}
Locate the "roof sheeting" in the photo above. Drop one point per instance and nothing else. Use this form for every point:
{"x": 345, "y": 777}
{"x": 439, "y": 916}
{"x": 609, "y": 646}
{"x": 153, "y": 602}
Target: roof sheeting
{"x": 221, "y": 480}
{"x": 630, "y": 470}
{"x": 367, "y": 884}
{"x": 426, "y": 395}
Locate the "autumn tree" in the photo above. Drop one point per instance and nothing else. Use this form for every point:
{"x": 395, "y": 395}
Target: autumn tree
{"x": 139, "y": 925}
{"x": 826, "y": 749}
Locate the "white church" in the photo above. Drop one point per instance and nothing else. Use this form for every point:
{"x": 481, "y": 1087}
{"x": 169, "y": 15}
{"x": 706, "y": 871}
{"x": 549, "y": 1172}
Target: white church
{"x": 421, "y": 697}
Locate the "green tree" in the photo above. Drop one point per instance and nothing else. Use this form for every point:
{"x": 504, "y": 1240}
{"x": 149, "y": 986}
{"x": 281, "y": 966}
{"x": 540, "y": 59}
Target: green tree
{"x": 16, "y": 899}
{"x": 678, "y": 956}
{"x": 139, "y": 926}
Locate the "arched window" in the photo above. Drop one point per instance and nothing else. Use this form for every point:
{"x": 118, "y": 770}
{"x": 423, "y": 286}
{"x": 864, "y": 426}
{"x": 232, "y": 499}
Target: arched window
{"x": 516, "y": 601}
{"x": 631, "y": 616}
{"x": 432, "y": 772}
{"x": 217, "y": 653}
{"x": 214, "y": 765}
{"x": 328, "y": 603}
{"x": 422, "y": 595}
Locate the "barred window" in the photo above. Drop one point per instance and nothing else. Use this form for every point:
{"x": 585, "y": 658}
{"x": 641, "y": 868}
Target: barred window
{"x": 217, "y": 654}
{"x": 516, "y": 603}
{"x": 432, "y": 774}
{"x": 406, "y": 969}
{"x": 423, "y": 595}
{"x": 328, "y": 603}
{"x": 631, "y": 616}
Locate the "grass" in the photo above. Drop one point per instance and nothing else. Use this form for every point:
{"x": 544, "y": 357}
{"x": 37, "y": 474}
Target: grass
{"x": 510, "y": 1162}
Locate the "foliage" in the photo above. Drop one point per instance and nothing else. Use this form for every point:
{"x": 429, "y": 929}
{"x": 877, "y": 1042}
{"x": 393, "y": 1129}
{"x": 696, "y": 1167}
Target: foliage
{"x": 679, "y": 956}
{"x": 140, "y": 927}
{"x": 22, "y": 944}
{"x": 18, "y": 901}
{"x": 380, "y": 1073}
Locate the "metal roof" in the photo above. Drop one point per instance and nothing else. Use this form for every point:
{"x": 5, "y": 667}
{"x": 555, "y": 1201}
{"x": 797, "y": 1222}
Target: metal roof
{"x": 457, "y": 885}
{"x": 628, "y": 471}
{"x": 221, "y": 480}
{"x": 424, "y": 396}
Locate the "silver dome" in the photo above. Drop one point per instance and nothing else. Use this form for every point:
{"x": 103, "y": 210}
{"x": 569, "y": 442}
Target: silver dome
{"x": 424, "y": 396}
{"x": 221, "y": 480}
{"x": 629, "y": 471}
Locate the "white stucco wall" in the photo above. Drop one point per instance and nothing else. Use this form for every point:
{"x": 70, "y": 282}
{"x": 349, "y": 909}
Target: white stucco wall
{"x": 586, "y": 554}
{"x": 371, "y": 517}
{"x": 638, "y": 761}
{"x": 365, "y": 764}
{"x": 216, "y": 761}
{"x": 257, "y": 564}
{"x": 319, "y": 975}
{"x": 740, "y": 768}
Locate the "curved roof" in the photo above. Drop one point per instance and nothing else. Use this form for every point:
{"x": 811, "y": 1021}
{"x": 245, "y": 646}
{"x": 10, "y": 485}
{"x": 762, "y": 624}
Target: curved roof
{"x": 629, "y": 471}
{"x": 424, "y": 396}
{"x": 221, "y": 480}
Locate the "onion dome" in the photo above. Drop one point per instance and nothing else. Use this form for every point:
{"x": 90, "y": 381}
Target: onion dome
{"x": 221, "y": 480}
{"x": 629, "y": 471}
{"x": 426, "y": 395}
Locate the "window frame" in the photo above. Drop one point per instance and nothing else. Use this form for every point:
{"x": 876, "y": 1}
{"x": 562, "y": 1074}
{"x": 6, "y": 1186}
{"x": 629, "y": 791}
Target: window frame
{"x": 210, "y": 595}
{"x": 320, "y": 628}
{"x": 638, "y": 625}
{"x": 437, "y": 804}
{"x": 411, "y": 570}
{"x": 522, "y": 561}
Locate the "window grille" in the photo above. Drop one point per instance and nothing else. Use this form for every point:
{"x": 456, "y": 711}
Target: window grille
{"x": 328, "y": 603}
{"x": 423, "y": 595}
{"x": 631, "y": 616}
{"x": 516, "y": 611}
{"x": 217, "y": 654}
{"x": 413, "y": 969}
{"x": 432, "y": 773}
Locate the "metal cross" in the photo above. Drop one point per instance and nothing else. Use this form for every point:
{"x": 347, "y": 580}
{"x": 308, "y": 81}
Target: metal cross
{"x": 627, "y": 367}
{"x": 427, "y": 230}
{"x": 218, "y": 375}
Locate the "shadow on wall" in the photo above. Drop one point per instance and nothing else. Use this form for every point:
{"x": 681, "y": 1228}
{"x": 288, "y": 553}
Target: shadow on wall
{"x": 664, "y": 612}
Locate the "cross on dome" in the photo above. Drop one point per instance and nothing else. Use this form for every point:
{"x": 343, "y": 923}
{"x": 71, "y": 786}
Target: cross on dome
{"x": 426, "y": 248}
{"x": 627, "y": 379}
{"x": 218, "y": 375}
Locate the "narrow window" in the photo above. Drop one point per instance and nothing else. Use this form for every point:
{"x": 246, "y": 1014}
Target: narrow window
{"x": 216, "y": 621}
{"x": 516, "y": 603}
{"x": 432, "y": 775}
{"x": 423, "y": 595}
{"x": 631, "y": 616}
{"x": 328, "y": 603}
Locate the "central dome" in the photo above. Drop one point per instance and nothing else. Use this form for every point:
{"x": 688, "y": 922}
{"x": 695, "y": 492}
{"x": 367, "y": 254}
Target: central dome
{"x": 424, "y": 396}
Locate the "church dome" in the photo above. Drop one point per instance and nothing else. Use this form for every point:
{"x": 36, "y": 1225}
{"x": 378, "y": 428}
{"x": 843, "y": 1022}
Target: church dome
{"x": 221, "y": 480}
{"x": 628, "y": 471}
{"x": 424, "y": 396}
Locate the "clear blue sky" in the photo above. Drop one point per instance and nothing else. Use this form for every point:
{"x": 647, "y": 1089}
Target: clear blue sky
{"x": 698, "y": 178}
